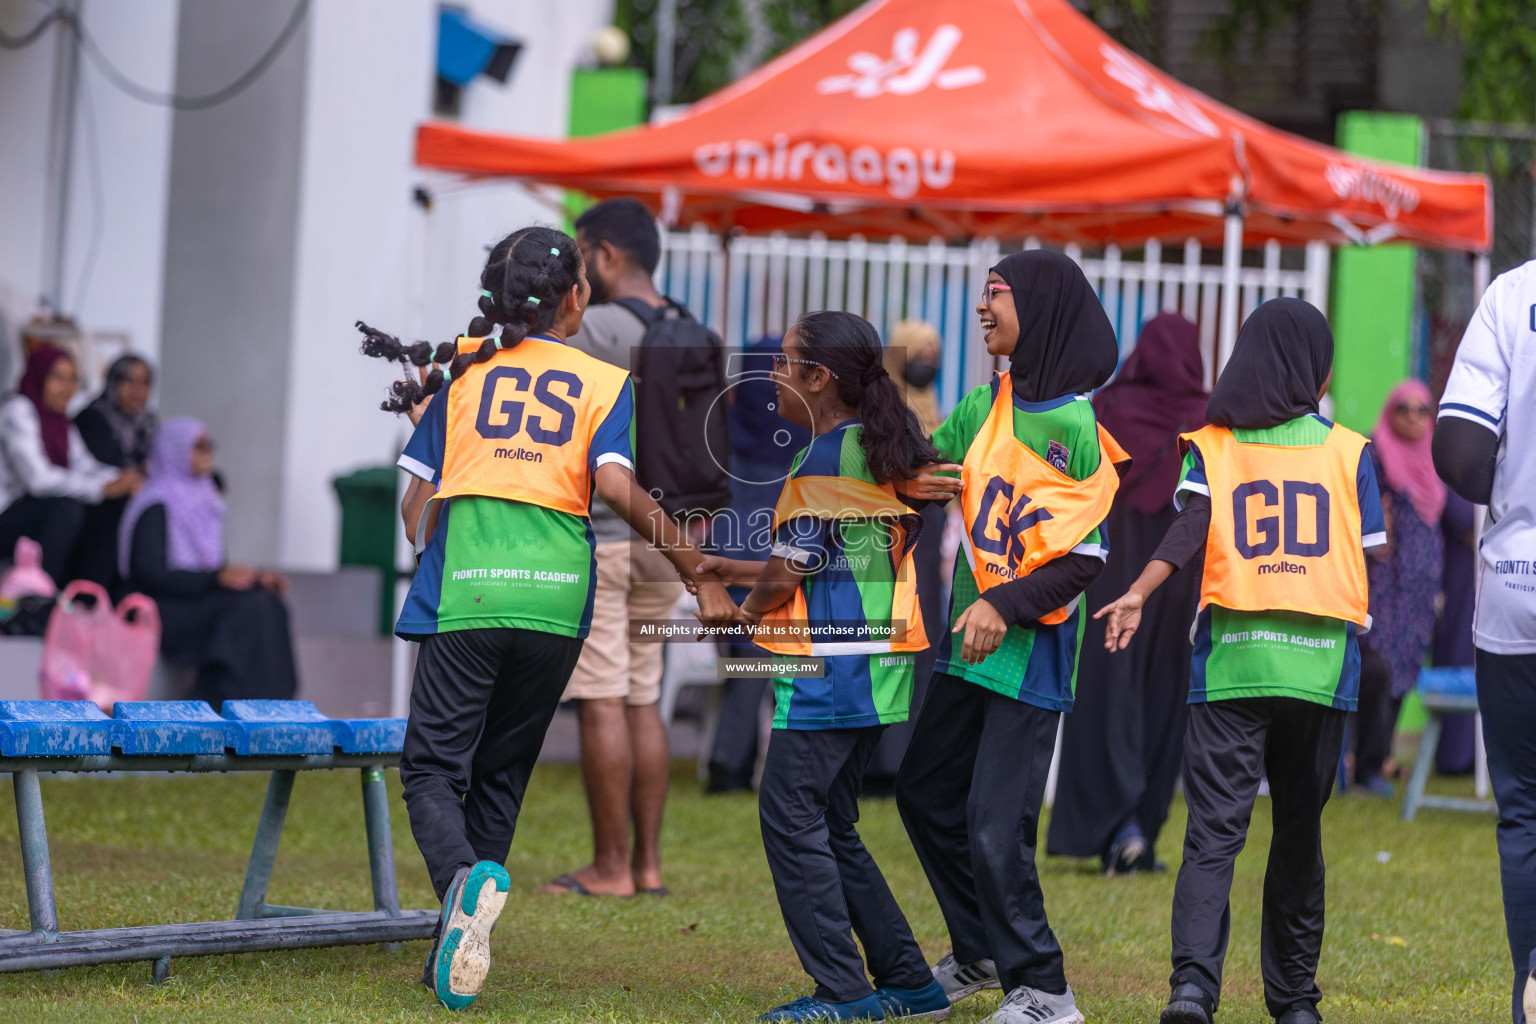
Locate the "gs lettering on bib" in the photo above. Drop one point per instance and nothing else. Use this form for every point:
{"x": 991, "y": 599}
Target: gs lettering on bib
{"x": 1285, "y": 526}
{"x": 1020, "y": 510}
{"x": 521, "y": 423}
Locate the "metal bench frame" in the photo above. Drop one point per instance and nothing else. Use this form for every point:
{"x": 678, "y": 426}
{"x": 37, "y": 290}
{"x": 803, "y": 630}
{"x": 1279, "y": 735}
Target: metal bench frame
{"x": 1445, "y": 690}
{"x": 257, "y": 925}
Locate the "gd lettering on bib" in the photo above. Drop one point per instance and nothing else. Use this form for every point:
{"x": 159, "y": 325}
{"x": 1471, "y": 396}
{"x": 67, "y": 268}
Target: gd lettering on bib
{"x": 1285, "y": 526}
{"x": 1020, "y": 511}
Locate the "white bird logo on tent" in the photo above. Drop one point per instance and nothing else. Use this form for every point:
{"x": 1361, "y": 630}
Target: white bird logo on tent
{"x": 909, "y": 70}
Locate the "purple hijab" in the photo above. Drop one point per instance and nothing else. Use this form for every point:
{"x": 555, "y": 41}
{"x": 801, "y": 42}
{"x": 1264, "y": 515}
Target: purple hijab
{"x": 194, "y": 509}
{"x": 1158, "y": 394}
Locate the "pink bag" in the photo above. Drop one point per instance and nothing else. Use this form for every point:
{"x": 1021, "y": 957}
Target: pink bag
{"x": 100, "y": 653}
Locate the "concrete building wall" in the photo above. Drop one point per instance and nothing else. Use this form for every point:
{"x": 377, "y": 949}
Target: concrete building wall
{"x": 237, "y": 245}
{"x": 115, "y": 239}
{"x": 231, "y": 255}
{"x": 366, "y": 251}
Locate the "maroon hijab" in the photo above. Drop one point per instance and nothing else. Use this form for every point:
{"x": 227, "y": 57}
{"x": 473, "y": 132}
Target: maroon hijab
{"x": 54, "y": 426}
{"x": 1158, "y": 394}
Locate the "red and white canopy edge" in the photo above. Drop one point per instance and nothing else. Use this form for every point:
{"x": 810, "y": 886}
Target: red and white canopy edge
{"x": 962, "y": 118}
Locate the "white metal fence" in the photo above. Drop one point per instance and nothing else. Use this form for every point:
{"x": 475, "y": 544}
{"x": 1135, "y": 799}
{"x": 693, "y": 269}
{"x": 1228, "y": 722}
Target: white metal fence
{"x": 752, "y": 285}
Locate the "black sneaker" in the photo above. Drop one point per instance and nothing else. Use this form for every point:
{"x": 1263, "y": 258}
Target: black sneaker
{"x": 1189, "y": 1004}
{"x": 1300, "y": 1013}
{"x": 1126, "y": 853}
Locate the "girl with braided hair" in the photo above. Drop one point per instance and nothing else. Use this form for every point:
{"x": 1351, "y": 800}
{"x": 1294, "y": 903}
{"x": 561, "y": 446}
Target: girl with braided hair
{"x": 512, "y": 438}
{"x": 840, "y": 583}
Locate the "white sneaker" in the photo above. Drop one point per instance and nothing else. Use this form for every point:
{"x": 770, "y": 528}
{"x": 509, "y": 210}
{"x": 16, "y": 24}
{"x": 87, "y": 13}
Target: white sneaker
{"x": 1529, "y": 998}
{"x": 1026, "y": 1005}
{"x": 961, "y": 981}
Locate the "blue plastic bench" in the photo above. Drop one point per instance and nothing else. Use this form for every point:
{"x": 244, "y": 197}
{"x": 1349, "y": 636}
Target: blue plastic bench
{"x": 278, "y": 736}
{"x": 1444, "y": 691}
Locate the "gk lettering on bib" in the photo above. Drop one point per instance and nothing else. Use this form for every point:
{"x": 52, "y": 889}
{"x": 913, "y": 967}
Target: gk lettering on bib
{"x": 1020, "y": 510}
{"x": 1285, "y": 526}
{"x": 520, "y": 424}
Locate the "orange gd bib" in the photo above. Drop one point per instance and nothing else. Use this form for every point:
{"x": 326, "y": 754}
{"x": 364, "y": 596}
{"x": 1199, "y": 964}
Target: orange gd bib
{"x": 783, "y": 630}
{"x": 521, "y": 423}
{"x": 1020, "y": 511}
{"x": 1285, "y": 526}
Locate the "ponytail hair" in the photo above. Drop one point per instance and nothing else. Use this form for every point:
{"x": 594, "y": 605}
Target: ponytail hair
{"x": 849, "y": 347}
{"x": 525, "y": 278}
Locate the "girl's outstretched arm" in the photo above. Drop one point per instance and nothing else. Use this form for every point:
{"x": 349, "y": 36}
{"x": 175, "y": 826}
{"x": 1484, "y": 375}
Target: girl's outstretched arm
{"x": 733, "y": 572}
{"x": 1125, "y": 611}
{"x": 1185, "y": 538}
{"x": 619, "y": 489}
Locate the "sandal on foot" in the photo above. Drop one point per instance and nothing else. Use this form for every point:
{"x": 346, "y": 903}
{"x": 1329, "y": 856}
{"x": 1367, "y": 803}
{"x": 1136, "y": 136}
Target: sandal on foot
{"x": 572, "y": 886}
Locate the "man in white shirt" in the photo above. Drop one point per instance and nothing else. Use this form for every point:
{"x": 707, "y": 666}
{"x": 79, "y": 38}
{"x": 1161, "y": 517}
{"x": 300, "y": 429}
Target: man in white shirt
{"x": 1485, "y": 449}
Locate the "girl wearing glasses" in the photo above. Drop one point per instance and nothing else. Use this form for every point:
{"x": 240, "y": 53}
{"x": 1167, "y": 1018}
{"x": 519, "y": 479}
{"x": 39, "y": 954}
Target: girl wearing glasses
{"x": 1039, "y": 478}
{"x": 840, "y": 585}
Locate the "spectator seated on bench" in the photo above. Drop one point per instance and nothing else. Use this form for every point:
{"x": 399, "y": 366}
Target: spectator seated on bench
{"x": 283, "y": 737}
{"x": 228, "y": 621}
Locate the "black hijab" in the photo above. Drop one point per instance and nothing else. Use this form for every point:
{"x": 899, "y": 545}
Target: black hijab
{"x": 1066, "y": 345}
{"x": 1283, "y": 355}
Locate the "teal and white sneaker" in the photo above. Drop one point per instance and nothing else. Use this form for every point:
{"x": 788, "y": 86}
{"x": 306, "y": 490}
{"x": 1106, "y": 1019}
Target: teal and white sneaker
{"x": 461, "y": 957}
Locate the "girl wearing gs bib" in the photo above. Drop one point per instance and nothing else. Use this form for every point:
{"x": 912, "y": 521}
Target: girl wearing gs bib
{"x": 1283, "y": 504}
{"x": 1039, "y": 477}
{"x": 511, "y": 442}
{"x": 840, "y": 585}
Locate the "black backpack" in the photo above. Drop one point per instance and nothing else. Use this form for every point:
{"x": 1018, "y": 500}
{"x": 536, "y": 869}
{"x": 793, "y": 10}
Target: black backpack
{"x": 682, "y": 432}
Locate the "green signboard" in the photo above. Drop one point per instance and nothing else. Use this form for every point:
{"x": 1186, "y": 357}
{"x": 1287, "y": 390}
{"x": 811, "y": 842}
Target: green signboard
{"x": 1373, "y": 287}
{"x": 603, "y": 100}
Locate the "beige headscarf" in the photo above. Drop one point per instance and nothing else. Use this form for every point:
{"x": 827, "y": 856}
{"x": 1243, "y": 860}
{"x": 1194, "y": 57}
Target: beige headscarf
{"x": 908, "y": 337}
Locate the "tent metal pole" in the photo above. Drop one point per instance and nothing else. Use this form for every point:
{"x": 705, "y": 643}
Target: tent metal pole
{"x": 1318, "y": 258}
{"x": 1231, "y": 263}
{"x": 1480, "y": 278}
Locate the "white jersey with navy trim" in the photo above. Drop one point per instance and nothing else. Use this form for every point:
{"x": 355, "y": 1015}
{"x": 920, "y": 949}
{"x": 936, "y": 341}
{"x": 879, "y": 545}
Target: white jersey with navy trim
{"x": 1493, "y": 384}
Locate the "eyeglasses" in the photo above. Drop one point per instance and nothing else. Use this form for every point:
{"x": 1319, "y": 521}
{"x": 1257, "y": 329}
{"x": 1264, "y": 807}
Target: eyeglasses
{"x": 990, "y": 290}
{"x": 781, "y": 363}
{"x": 1412, "y": 410}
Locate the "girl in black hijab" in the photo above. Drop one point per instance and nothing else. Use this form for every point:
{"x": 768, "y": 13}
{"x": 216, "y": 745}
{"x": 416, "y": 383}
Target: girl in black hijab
{"x": 1280, "y": 368}
{"x": 973, "y": 780}
{"x": 1276, "y": 665}
{"x": 1065, "y": 344}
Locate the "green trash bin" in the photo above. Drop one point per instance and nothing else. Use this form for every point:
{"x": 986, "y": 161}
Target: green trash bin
{"x": 368, "y": 525}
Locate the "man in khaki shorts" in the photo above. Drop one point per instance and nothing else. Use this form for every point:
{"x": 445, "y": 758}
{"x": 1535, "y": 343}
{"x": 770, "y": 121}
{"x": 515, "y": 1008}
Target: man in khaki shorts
{"x": 625, "y": 760}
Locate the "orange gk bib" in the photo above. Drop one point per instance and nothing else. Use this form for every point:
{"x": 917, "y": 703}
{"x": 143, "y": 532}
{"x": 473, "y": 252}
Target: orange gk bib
{"x": 1020, "y": 511}
{"x": 1285, "y": 526}
{"x": 520, "y": 425}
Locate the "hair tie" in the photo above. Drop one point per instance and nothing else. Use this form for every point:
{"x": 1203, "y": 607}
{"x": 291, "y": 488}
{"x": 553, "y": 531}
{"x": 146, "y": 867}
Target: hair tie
{"x": 872, "y": 374}
{"x": 497, "y": 340}
{"x": 447, "y": 375}
{"x": 488, "y": 294}
{"x": 533, "y": 300}
{"x": 554, "y": 252}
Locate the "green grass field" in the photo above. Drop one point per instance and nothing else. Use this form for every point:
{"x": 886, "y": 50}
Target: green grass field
{"x": 1415, "y": 931}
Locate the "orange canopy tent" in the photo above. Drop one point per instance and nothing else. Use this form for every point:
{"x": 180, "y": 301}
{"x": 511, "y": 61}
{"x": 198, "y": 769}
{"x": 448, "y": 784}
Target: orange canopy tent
{"x": 963, "y": 118}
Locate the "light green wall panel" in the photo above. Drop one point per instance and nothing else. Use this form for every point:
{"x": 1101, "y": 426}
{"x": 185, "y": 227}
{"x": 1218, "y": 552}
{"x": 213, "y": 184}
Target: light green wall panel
{"x": 1373, "y": 287}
